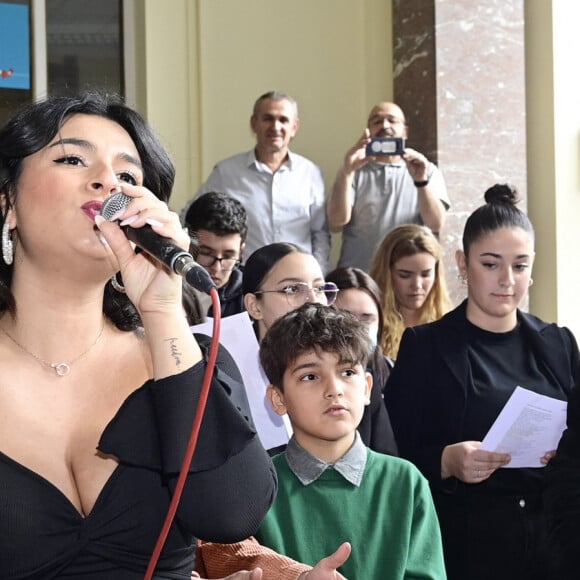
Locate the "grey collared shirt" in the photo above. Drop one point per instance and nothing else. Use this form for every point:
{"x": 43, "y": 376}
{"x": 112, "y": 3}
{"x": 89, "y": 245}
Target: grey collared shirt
{"x": 383, "y": 196}
{"x": 308, "y": 468}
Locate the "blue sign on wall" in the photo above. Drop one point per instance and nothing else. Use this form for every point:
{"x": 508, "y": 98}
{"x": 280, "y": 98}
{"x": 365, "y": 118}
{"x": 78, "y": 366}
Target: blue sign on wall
{"x": 14, "y": 46}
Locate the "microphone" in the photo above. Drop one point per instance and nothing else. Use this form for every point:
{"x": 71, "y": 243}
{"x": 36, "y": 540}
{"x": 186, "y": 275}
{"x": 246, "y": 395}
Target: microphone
{"x": 162, "y": 249}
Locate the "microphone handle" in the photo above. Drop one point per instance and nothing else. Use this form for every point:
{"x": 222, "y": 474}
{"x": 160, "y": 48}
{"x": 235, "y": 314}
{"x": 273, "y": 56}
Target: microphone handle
{"x": 171, "y": 255}
{"x": 164, "y": 250}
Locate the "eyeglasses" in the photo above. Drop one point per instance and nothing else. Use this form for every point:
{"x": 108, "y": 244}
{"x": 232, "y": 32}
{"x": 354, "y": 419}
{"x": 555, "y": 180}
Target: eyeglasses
{"x": 299, "y": 292}
{"x": 226, "y": 264}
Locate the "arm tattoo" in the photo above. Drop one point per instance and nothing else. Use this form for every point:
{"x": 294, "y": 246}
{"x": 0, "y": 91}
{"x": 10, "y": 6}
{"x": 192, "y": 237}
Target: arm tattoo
{"x": 174, "y": 350}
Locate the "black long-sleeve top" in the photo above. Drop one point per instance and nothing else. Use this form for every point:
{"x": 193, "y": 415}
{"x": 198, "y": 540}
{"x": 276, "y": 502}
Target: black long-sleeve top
{"x": 230, "y": 486}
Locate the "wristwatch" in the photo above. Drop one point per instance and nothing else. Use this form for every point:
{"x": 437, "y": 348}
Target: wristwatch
{"x": 421, "y": 183}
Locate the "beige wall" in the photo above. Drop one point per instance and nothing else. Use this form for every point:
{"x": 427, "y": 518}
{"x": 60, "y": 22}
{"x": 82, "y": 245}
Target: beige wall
{"x": 553, "y": 143}
{"x": 164, "y": 57}
{"x": 330, "y": 55}
{"x": 206, "y": 61}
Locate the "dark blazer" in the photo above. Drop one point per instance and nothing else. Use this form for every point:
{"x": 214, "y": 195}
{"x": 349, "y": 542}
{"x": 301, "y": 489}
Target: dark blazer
{"x": 231, "y": 295}
{"x": 426, "y": 392}
{"x": 562, "y": 497}
{"x": 375, "y": 427}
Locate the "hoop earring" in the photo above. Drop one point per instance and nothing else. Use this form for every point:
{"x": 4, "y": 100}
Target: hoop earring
{"x": 117, "y": 285}
{"x": 7, "y": 244}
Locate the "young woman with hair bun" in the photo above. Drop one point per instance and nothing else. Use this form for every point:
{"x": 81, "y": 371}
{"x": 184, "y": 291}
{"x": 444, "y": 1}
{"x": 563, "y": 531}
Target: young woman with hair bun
{"x": 452, "y": 378}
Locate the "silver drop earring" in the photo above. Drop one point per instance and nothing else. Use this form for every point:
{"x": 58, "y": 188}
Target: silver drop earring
{"x": 7, "y": 244}
{"x": 117, "y": 285}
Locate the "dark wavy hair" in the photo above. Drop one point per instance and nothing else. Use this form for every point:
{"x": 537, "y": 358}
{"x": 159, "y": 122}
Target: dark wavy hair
{"x": 218, "y": 213}
{"x": 313, "y": 327}
{"x": 499, "y": 211}
{"x": 34, "y": 126}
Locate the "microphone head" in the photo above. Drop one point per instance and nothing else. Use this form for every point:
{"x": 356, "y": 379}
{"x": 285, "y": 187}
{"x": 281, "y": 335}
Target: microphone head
{"x": 113, "y": 204}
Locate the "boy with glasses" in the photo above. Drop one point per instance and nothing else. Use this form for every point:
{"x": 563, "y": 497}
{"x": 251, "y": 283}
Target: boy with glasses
{"x": 219, "y": 223}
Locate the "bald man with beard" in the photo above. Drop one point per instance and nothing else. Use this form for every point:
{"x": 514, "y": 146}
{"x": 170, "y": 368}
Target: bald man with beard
{"x": 372, "y": 195}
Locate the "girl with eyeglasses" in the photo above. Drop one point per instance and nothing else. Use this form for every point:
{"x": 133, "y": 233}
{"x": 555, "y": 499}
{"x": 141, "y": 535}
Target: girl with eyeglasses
{"x": 280, "y": 277}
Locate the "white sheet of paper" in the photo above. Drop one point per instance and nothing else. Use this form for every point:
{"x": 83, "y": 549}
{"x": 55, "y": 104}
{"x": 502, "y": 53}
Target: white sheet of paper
{"x": 527, "y": 427}
{"x": 237, "y": 335}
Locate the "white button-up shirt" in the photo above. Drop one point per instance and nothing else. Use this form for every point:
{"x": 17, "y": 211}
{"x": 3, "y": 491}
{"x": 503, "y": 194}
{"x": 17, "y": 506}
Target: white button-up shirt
{"x": 285, "y": 206}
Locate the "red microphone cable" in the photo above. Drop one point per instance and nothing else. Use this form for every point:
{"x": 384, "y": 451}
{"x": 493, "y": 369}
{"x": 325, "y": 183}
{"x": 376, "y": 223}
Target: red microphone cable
{"x": 192, "y": 444}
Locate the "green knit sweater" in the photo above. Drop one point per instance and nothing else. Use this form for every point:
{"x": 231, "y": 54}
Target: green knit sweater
{"x": 389, "y": 520}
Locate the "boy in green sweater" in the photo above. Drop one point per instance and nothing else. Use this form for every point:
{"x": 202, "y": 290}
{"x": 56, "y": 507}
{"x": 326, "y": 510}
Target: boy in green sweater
{"x": 331, "y": 488}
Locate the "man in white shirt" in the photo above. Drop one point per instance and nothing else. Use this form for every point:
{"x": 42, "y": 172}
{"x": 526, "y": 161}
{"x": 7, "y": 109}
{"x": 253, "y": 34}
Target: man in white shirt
{"x": 282, "y": 192}
{"x": 372, "y": 195}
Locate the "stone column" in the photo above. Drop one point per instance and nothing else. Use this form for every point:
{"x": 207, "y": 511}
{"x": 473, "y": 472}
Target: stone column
{"x": 459, "y": 77}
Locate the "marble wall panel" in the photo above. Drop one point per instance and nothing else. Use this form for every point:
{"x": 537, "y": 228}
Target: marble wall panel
{"x": 459, "y": 77}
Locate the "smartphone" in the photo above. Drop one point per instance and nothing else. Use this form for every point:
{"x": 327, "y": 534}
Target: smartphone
{"x": 386, "y": 146}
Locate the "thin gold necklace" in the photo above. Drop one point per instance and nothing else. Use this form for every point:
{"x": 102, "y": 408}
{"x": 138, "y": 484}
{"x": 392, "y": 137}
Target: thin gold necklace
{"x": 62, "y": 369}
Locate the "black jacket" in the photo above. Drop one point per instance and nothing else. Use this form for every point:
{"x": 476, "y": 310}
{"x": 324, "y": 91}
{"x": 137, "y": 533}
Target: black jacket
{"x": 562, "y": 497}
{"x": 231, "y": 295}
{"x": 426, "y": 392}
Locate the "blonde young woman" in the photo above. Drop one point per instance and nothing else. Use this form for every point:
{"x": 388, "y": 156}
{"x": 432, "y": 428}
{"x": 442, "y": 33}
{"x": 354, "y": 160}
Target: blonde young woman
{"x": 407, "y": 269}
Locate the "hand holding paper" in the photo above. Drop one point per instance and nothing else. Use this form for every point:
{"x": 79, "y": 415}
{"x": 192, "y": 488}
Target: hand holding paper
{"x": 529, "y": 428}
{"x": 469, "y": 463}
